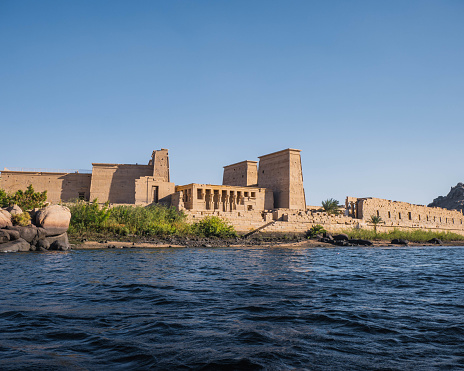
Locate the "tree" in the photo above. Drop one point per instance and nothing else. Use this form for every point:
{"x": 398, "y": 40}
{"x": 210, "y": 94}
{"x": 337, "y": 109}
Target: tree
{"x": 331, "y": 206}
{"x": 375, "y": 219}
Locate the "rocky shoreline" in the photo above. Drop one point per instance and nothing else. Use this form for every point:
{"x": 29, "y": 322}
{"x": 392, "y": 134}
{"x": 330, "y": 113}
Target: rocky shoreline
{"x": 46, "y": 230}
{"x": 178, "y": 242}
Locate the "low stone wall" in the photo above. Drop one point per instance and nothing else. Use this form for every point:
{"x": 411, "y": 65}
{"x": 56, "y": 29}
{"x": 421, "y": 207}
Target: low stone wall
{"x": 299, "y": 221}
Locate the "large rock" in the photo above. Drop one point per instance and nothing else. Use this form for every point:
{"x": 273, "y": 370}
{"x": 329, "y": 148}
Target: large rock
{"x": 29, "y": 233}
{"x": 14, "y": 235}
{"x": 453, "y": 201}
{"x": 5, "y": 218}
{"x": 341, "y": 237}
{"x": 14, "y": 210}
{"x": 13, "y": 246}
{"x": 4, "y": 236}
{"x": 42, "y": 245}
{"x": 58, "y": 242}
{"x": 55, "y": 219}
{"x": 399, "y": 241}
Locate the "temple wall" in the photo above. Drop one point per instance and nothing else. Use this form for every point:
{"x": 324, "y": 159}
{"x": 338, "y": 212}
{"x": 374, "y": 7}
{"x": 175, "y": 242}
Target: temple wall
{"x": 148, "y": 190}
{"x": 59, "y": 186}
{"x": 116, "y": 183}
{"x": 208, "y": 197}
{"x": 403, "y": 214}
{"x": 281, "y": 171}
{"x": 242, "y": 174}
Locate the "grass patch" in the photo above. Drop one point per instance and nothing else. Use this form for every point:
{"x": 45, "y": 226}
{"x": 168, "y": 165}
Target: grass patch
{"x": 418, "y": 235}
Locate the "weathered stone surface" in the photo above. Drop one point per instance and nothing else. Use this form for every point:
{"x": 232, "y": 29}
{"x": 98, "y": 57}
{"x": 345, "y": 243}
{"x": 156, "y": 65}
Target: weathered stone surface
{"x": 5, "y": 218}
{"x": 28, "y": 233}
{"x": 42, "y": 245}
{"x": 14, "y": 210}
{"x": 55, "y": 219}
{"x": 453, "y": 201}
{"x": 341, "y": 237}
{"x": 58, "y": 242}
{"x": 4, "y": 236}
{"x": 14, "y": 235}
{"x": 13, "y": 246}
{"x": 399, "y": 241}
{"x": 360, "y": 242}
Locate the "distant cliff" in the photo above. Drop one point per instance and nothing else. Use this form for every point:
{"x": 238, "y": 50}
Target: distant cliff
{"x": 453, "y": 201}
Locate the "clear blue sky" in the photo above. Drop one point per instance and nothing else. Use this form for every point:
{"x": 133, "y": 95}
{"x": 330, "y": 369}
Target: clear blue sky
{"x": 372, "y": 92}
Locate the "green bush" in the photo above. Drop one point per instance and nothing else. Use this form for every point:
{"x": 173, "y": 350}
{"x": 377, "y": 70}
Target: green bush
{"x": 22, "y": 219}
{"x": 88, "y": 216}
{"x": 26, "y": 200}
{"x": 213, "y": 226}
{"x": 418, "y": 235}
{"x": 153, "y": 220}
{"x": 315, "y": 230}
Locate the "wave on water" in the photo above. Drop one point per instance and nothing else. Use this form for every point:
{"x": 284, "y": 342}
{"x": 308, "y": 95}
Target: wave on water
{"x": 234, "y": 309}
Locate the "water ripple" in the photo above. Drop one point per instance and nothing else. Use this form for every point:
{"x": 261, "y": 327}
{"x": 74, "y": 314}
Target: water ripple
{"x": 234, "y": 309}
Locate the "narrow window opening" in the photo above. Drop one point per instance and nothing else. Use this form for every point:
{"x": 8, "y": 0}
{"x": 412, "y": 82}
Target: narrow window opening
{"x": 399, "y": 215}
{"x": 81, "y": 195}
{"x": 409, "y": 215}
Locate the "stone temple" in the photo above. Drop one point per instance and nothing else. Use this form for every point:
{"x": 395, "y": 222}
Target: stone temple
{"x": 267, "y": 195}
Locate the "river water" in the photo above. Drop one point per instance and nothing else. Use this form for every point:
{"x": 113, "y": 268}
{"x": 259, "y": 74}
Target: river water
{"x": 233, "y": 308}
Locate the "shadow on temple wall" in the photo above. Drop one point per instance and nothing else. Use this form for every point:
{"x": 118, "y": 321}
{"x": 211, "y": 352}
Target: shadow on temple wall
{"x": 75, "y": 186}
{"x": 122, "y": 186}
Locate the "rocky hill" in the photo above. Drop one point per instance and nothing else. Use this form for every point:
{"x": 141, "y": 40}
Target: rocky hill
{"x": 453, "y": 201}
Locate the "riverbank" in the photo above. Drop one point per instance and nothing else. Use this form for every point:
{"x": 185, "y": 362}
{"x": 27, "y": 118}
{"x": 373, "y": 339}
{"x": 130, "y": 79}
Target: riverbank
{"x": 239, "y": 243}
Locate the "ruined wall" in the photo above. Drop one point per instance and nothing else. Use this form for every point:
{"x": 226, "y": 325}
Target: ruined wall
{"x": 241, "y": 174}
{"x": 116, "y": 182}
{"x": 281, "y": 171}
{"x": 59, "y": 186}
{"x": 397, "y": 214}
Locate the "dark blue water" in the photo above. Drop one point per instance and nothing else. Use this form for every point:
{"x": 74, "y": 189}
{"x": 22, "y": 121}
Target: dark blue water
{"x": 228, "y": 308}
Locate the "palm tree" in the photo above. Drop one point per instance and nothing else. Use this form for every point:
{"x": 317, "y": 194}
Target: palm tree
{"x": 331, "y": 206}
{"x": 375, "y": 219}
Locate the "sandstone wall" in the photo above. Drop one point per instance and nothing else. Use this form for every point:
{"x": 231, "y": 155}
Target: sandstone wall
{"x": 208, "y": 197}
{"x": 241, "y": 174}
{"x": 281, "y": 171}
{"x": 403, "y": 214}
{"x": 160, "y": 161}
{"x": 116, "y": 182}
{"x": 59, "y": 186}
{"x": 148, "y": 190}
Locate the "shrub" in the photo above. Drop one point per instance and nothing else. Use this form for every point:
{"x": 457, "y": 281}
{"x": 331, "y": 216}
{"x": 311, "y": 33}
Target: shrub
{"x": 213, "y": 226}
{"x": 22, "y": 219}
{"x": 26, "y": 200}
{"x": 153, "y": 220}
{"x": 418, "y": 235}
{"x": 88, "y": 216}
{"x": 315, "y": 230}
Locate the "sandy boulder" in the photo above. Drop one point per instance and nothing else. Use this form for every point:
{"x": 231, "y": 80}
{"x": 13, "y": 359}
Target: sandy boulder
{"x": 5, "y": 218}
{"x": 55, "y": 219}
